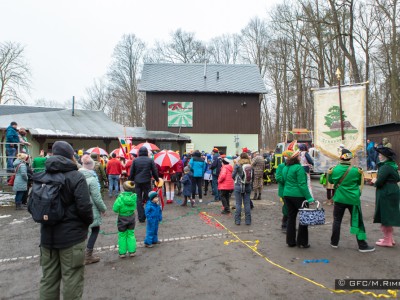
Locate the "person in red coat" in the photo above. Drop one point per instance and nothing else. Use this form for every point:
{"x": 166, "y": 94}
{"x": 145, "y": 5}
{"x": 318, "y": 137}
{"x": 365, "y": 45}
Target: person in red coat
{"x": 179, "y": 171}
{"x": 114, "y": 171}
{"x": 225, "y": 184}
{"x": 169, "y": 176}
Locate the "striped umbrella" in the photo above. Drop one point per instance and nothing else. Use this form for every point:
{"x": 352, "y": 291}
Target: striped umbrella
{"x": 166, "y": 158}
{"x": 97, "y": 150}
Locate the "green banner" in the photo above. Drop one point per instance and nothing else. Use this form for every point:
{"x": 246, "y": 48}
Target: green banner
{"x": 180, "y": 114}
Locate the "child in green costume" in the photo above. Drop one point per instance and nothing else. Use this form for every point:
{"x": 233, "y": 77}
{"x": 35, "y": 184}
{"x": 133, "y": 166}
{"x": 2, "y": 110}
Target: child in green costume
{"x": 125, "y": 206}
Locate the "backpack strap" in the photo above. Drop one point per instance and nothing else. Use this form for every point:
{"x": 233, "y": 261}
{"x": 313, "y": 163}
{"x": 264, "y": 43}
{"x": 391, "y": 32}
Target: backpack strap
{"x": 342, "y": 178}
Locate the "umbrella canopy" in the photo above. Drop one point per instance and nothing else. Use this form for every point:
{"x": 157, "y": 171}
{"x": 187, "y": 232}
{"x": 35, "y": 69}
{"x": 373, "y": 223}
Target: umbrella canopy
{"x": 166, "y": 158}
{"x": 118, "y": 152}
{"x": 149, "y": 146}
{"x": 134, "y": 151}
{"x": 97, "y": 150}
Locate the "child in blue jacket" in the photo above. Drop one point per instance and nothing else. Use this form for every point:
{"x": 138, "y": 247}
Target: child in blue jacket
{"x": 153, "y": 216}
{"x": 187, "y": 187}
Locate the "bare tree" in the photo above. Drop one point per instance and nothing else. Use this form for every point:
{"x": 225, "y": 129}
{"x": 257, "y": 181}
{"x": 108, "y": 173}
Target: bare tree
{"x": 224, "y": 49}
{"x": 124, "y": 74}
{"x": 99, "y": 96}
{"x": 14, "y": 73}
{"x": 183, "y": 48}
{"x": 50, "y": 103}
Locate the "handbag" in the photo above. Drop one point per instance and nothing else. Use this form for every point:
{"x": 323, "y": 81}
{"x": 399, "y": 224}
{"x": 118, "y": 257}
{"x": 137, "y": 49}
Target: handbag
{"x": 10, "y": 181}
{"x": 311, "y": 216}
{"x": 174, "y": 177}
{"x": 322, "y": 179}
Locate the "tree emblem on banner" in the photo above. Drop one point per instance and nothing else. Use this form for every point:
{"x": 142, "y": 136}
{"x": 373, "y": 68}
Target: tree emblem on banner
{"x": 180, "y": 114}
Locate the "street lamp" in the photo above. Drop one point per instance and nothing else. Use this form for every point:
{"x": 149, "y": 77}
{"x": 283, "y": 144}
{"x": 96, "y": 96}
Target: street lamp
{"x": 338, "y": 74}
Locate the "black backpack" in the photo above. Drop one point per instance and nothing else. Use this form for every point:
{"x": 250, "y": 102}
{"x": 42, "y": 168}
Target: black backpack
{"x": 45, "y": 204}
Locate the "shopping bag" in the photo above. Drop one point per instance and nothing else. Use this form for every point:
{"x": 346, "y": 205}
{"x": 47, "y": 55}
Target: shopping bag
{"x": 311, "y": 216}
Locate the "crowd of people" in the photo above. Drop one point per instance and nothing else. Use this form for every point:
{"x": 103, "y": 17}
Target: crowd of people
{"x": 139, "y": 184}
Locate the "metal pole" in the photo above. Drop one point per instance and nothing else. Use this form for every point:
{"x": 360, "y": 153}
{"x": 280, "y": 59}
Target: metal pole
{"x": 73, "y": 105}
{"x": 340, "y": 107}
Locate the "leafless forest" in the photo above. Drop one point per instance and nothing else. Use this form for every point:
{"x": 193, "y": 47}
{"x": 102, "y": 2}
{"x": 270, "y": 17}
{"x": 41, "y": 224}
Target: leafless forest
{"x": 298, "y": 45}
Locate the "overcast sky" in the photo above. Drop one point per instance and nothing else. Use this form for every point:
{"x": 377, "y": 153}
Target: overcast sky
{"x": 69, "y": 43}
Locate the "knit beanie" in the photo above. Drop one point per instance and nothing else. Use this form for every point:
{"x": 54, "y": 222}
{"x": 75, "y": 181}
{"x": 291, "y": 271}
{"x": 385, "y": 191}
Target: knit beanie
{"x": 87, "y": 162}
{"x": 63, "y": 148}
{"x": 152, "y": 195}
{"x": 129, "y": 186}
{"x": 186, "y": 169}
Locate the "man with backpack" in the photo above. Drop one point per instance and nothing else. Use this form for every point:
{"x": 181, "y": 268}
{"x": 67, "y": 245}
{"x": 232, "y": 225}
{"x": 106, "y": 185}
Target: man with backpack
{"x": 62, "y": 242}
{"x": 242, "y": 176}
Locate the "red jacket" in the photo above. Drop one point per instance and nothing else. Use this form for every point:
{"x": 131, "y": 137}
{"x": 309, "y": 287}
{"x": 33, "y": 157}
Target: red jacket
{"x": 128, "y": 166}
{"x": 225, "y": 180}
{"x": 179, "y": 166}
{"x": 114, "y": 167}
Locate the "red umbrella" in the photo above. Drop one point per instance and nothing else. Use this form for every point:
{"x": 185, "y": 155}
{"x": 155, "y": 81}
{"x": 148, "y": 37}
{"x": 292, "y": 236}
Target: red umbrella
{"x": 149, "y": 146}
{"x": 97, "y": 150}
{"x": 166, "y": 158}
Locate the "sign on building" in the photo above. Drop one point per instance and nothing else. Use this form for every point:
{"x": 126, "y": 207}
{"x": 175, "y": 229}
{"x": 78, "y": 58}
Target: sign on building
{"x": 180, "y": 114}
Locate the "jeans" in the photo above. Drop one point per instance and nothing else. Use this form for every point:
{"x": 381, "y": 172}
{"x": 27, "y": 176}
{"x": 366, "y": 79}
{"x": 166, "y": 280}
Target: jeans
{"x": 93, "y": 237}
{"x": 338, "y": 212}
{"x": 19, "y": 196}
{"x": 245, "y": 199}
{"x": 293, "y": 205}
{"x": 214, "y": 185}
{"x": 142, "y": 192}
{"x": 10, "y": 153}
{"x": 113, "y": 181}
{"x": 64, "y": 265}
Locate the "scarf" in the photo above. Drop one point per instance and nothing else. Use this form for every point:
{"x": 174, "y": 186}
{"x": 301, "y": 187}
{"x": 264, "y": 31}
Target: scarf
{"x": 357, "y": 224}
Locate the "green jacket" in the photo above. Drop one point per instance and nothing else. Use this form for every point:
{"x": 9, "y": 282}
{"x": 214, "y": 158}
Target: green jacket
{"x": 295, "y": 182}
{"x": 125, "y": 205}
{"x": 98, "y": 205}
{"x": 349, "y": 190}
{"x": 279, "y": 179}
{"x": 387, "y": 194}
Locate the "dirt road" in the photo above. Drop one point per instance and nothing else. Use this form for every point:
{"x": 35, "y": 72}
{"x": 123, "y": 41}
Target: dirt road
{"x": 203, "y": 255}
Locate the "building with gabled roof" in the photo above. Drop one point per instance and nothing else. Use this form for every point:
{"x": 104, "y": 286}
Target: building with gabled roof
{"x": 216, "y": 105}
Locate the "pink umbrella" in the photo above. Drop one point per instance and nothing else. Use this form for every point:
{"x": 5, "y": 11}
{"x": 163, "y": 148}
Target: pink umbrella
{"x": 97, "y": 150}
{"x": 166, "y": 158}
{"x": 149, "y": 146}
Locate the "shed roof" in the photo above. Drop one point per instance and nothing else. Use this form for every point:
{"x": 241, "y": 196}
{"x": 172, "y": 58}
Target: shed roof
{"x": 83, "y": 124}
{"x": 201, "y": 78}
{"x": 24, "y": 109}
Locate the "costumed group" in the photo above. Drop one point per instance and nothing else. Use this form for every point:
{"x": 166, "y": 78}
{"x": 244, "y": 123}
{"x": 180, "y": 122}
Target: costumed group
{"x": 64, "y": 249}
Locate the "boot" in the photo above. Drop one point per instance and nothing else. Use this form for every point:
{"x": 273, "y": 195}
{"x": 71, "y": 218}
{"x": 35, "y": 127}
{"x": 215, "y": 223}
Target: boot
{"x": 387, "y": 237}
{"x": 255, "y": 196}
{"x": 192, "y": 202}
{"x": 184, "y": 202}
{"x": 89, "y": 258}
{"x": 259, "y": 196}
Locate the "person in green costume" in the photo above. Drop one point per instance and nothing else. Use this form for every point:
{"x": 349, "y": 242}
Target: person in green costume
{"x": 125, "y": 206}
{"x": 387, "y": 196}
{"x": 278, "y": 176}
{"x": 347, "y": 180}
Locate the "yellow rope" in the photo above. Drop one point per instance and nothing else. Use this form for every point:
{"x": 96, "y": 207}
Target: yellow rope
{"x": 391, "y": 293}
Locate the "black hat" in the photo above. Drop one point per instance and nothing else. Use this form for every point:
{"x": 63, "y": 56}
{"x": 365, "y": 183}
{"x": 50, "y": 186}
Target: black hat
{"x": 346, "y": 154}
{"x": 13, "y": 123}
{"x": 387, "y": 152}
{"x": 63, "y": 148}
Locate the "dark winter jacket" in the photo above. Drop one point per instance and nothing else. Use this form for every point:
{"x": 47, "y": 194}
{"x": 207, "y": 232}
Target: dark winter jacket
{"x": 73, "y": 229}
{"x": 216, "y": 165}
{"x": 12, "y": 137}
{"x": 187, "y": 185}
{"x": 143, "y": 168}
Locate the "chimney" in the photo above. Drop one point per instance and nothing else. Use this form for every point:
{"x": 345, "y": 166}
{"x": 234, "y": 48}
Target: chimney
{"x": 217, "y": 75}
{"x": 73, "y": 105}
{"x": 205, "y": 70}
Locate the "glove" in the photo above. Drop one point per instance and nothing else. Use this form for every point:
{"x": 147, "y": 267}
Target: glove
{"x": 310, "y": 201}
